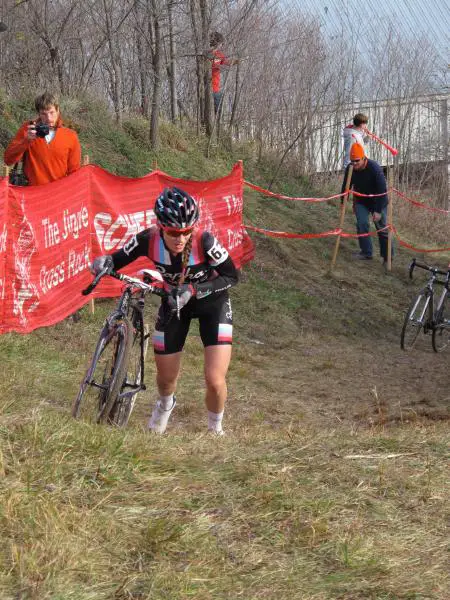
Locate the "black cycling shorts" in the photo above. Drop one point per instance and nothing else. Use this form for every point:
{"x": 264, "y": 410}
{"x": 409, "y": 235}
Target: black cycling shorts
{"x": 215, "y": 318}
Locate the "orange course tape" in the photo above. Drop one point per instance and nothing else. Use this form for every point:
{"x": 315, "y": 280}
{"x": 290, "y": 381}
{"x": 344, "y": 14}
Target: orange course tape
{"x": 410, "y": 247}
{"x": 416, "y": 203}
{"x": 282, "y": 197}
{"x": 306, "y": 236}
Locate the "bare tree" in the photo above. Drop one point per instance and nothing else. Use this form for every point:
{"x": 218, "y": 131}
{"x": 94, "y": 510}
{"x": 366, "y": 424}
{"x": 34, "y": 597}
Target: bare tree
{"x": 291, "y": 93}
{"x": 156, "y": 39}
{"x": 171, "y": 62}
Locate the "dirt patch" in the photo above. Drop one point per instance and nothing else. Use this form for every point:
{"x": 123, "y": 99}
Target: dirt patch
{"x": 339, "y": 381}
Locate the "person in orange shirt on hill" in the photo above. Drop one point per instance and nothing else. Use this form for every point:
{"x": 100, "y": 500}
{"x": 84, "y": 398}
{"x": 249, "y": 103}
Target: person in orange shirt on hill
{"x": 48, "y": 150}
{"x": 218, "y": 60}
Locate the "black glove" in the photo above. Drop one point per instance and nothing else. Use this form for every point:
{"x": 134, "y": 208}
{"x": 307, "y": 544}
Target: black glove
{"x": 180, "y": 296}
{"x": 100, "y": 263}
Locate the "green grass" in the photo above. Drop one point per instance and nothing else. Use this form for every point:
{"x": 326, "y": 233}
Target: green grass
{"x": 331, "y": 482}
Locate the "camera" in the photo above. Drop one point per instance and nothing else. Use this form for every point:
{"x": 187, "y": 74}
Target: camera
{"x": 42, "y": 130}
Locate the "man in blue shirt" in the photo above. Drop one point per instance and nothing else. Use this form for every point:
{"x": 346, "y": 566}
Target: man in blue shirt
{"x": 368, "y": 179}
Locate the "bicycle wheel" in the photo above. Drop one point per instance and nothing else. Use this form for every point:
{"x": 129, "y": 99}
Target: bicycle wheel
{"x": 414, "y": 320}
{"x": 101, "y": 384}
{"x": 126, "y": 400}
{"x": 441, "y": 331}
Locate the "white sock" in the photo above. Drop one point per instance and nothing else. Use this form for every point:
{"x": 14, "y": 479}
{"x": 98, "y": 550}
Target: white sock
{"x": 215, "y": 421}
{"x": 166, "y": 402}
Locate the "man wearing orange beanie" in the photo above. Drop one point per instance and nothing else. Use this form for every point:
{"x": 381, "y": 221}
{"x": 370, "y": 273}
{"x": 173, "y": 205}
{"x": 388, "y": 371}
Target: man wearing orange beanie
{"x": 368, "y": 179}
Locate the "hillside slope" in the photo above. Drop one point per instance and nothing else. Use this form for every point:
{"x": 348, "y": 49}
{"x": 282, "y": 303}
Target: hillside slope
{"x": 331, "y": 480}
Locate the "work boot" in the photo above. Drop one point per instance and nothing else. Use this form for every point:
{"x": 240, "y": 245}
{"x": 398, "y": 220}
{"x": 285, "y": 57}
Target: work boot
{"x": 362, "y": 256}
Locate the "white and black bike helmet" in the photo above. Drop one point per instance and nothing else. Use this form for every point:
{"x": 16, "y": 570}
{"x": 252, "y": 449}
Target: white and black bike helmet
{"x": 174, "y": 208}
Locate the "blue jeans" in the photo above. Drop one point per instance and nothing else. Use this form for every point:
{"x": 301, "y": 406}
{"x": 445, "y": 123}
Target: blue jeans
{"x": 217, "y": 96}
{"x": 363, "y": 226}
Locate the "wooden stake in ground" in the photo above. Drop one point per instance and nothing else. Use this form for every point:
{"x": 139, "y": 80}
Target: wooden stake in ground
{"x": 342, "y": 215}
{"x": 389, "y": 220}
{"x": 92, "y": 301}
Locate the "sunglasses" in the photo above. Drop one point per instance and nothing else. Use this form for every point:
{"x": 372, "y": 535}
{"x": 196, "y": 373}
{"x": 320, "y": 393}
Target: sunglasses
{"x": 176, "y": 233}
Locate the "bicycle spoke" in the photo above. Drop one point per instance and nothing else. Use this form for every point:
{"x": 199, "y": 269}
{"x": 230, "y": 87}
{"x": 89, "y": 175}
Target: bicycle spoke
{"x": 101, "y": 383}
{"x": 91, "y": 398}
{"x": 123, "y": 408}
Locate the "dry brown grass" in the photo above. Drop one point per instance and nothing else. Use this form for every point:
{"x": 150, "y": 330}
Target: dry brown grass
{"x": 332, "y": 480}
{"x": 420, "y": 226}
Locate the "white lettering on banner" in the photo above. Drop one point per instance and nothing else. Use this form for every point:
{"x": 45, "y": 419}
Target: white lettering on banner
{"x": 108, "y": 231}
{"x": 50, "y": 278}
{"x": 234, "y": 204}
{"x": 234, "y": 239}
{"x": 108, "y": 241}
{"x": 51, "y": 233}
{"x": 74, "y": 222}
{"x": 99, "y": 220}
{"x": 77, "y": 261}
{"x": 25, "y": 293}
{"x": 3, "y": 237}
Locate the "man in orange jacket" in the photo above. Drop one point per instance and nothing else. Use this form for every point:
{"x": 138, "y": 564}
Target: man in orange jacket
{"x": 48, "y": 150}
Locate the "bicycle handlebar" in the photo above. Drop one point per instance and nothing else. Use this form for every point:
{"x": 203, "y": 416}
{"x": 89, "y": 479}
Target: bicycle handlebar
{"x": 125, "y": 278}
{"x": 433, "y": 270}
{"x": 94, "y": 283}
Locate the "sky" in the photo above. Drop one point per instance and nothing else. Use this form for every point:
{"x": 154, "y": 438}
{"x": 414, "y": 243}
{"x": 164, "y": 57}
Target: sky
{"x": 413, "y": 18}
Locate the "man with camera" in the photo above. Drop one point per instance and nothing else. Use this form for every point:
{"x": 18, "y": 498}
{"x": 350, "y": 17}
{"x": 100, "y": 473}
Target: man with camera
{"x": 47, "y": 150}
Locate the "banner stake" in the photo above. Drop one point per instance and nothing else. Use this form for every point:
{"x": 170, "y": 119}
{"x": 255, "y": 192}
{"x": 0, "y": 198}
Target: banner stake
{"x": 92, "y": 301}
{"x": 389, "y": 219}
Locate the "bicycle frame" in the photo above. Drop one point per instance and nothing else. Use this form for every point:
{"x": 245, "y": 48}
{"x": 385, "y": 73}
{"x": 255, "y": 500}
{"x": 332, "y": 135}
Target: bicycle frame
{"x": 430, "y": 323}
{"x": 126, "y": 335}
{"x": 133, "y": 306}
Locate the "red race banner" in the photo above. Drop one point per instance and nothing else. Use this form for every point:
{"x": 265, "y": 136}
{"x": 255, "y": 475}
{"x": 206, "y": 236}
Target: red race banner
{"x": 49, "y": 234}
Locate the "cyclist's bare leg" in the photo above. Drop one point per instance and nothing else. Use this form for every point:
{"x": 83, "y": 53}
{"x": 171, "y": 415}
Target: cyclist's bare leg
{"x": 217, "y": 361}
{"x": 167, "y": 371}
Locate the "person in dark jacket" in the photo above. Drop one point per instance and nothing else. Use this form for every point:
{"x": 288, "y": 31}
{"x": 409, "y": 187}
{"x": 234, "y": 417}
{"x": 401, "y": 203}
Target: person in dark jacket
{"x": 197, "y": 272}
{"x": 368, "y": 179}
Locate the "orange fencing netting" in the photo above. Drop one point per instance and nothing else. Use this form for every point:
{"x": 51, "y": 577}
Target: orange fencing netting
{"x": 339, "y": 231}
{"x": 49, "y": 234}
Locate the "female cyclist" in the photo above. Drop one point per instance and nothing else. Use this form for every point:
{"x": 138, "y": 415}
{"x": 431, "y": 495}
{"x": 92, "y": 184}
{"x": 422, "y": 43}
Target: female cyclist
{"x": 197, "y": 272}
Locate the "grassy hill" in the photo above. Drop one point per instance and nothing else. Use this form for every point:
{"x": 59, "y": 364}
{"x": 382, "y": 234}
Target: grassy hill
{"x": 331, "y": 482}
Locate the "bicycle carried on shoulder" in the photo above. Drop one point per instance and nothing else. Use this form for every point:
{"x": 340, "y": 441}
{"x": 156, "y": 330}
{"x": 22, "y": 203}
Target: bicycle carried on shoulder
{"x": 427, "y": 315}
{"x": 116, "y": 372}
